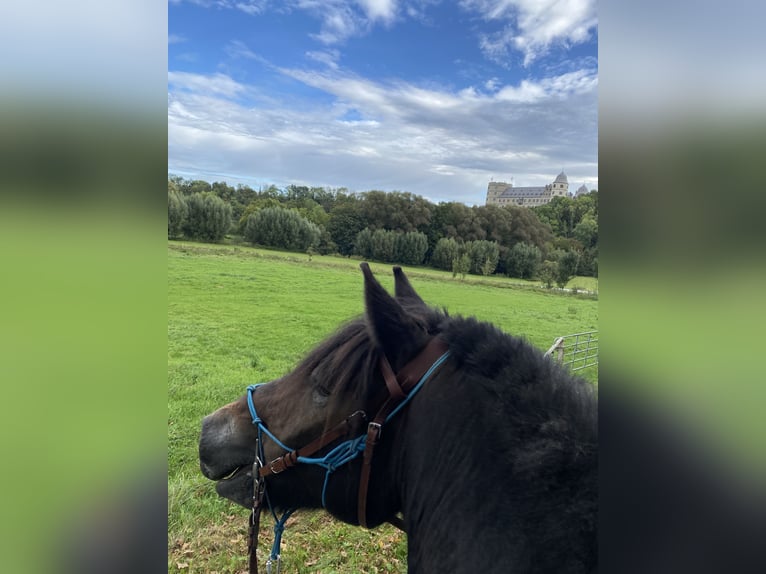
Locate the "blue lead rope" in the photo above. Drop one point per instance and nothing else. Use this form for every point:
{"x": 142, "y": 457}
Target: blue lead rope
{"x": 279, "y": 528}
{"x": 343, "y": 453}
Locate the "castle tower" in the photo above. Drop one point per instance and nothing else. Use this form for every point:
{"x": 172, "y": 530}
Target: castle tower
{"x": 495, "y": 190}
{"x": 560, "y": 185}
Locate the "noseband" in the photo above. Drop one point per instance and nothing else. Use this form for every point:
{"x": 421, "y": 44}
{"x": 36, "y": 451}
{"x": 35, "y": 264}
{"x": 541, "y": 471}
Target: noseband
{"x": 400, "y": 388}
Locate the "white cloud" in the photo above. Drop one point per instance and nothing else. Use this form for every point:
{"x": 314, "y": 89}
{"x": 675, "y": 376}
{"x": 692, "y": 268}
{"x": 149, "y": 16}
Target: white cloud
{"x": 533, "y": 26}
{"x": 339, "y": 22}
{"x": 238, "y": 49}
{"x": 339, "y": 19}
{"x": 384, "y": 10}
{"x": 439, "y": 143}
{"x": 215, "y": 85}
{"x": 491, "y": 84}
{"x": 327, "y": 57}
{"x": 251, "y": 7}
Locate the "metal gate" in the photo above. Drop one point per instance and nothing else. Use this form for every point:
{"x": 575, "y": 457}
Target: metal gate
{"x": 578, "y": 351}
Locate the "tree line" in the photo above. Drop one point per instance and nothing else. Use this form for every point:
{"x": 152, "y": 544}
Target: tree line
{"x": 552, "y": 242}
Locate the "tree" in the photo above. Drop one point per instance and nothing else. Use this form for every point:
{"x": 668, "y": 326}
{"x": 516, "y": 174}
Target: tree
{"x": 410, "y": 248}
{"x": 363, "y": 243}
{"x": 483, "y": 255}
{"x": 177, "y": 212}
{"x": 395, "y": 210}
{"x": 255, "y": 206}
{"x": 326, "y": 244}
{"x": 208, "y": 218}
{"x": 461, "y": 265}
{"x": 548, "y": 272}
{"x": 588, "y": 262}
{"x": 450, "y": 220}
{"x": 567, "y": 267}
{"x": 285, "y": 228}
{"x": 344, "y": 225}
{"x": 559, "y": 213}
{"x": 488, "y": 267}
{"x": 527, "y": 227}
{"x": 190, "y": 187}
{"x": 586, "y": 232}
{"x": 445, "y": 252}
{"x": 384, "y": 245}
{"x": 523, "y": 261}
{"x": 312, "y": 211}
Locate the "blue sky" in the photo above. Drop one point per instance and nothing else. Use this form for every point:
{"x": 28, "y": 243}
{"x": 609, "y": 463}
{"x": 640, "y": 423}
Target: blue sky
{"x": 435, "y": 98}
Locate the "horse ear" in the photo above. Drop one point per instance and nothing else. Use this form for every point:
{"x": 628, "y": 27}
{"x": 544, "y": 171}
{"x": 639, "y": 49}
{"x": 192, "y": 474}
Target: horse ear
{"x": 404, "y": 291}
{"x": 392, "y": 328}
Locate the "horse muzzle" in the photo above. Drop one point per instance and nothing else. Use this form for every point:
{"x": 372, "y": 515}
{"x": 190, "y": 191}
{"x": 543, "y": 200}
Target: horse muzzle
{"x": 224, "y": 448}
{"x": 238, "y": 487}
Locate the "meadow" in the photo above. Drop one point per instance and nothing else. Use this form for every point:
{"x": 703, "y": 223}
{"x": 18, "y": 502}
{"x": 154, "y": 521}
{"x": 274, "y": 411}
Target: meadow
{"x": 238, "y": 316}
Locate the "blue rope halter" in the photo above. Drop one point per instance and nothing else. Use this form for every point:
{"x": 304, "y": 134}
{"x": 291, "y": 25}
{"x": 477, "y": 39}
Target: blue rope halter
{"x": 338, "y": 456}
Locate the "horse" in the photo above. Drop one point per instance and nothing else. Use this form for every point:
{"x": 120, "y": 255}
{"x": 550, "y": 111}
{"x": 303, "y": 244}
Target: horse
{"x": 483, "y": 450}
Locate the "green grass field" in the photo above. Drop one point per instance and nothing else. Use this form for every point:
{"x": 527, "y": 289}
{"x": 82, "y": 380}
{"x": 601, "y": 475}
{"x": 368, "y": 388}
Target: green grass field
{"x": 237, "y": 316}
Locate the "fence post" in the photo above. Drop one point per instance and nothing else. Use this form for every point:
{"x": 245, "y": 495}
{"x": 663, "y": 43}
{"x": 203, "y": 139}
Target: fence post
{"x": 558, "y": 346}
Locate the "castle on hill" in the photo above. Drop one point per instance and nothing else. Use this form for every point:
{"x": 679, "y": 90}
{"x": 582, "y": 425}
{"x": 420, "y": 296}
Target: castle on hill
{"x": 502, "y": 193}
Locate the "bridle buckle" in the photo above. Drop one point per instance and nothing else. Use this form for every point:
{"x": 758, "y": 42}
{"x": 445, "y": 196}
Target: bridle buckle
{"x": 373, "y": 431}
{"x": 258, "y": 483}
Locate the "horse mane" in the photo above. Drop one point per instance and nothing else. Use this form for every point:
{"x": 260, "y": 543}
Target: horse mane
{"x": 509, "y": 370}
{"x": 345, "y": 361}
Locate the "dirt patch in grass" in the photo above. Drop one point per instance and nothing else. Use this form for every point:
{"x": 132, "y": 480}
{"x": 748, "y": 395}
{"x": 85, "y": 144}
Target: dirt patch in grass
{"x": 313, "y": 542}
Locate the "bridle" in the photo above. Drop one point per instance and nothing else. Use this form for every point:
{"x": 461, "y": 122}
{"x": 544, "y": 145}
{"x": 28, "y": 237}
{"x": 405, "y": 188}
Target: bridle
{"x": 400, "y": 388}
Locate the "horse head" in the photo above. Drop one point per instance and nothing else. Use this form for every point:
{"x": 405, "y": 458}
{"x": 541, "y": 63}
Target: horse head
{"x": 338, "y": 379}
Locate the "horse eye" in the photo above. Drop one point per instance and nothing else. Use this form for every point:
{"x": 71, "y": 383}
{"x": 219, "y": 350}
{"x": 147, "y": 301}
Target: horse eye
{"x": 321, "y": 395}
{"x": 321, "y": 391}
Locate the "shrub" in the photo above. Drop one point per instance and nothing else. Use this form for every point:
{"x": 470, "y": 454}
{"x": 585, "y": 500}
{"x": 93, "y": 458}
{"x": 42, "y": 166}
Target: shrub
{"x": 383, "y": 245}
{"x": 208, "y": 217}
{"x": 445, "y": 252}
{"x": 391, "y": 246}
{"x": 277, "y": 227}
{"x": 567, "y": 267}
{"x": 343, "y": 226}
{"x": 483, "y": 255}
{"x": 548, "y": 272}
{"x": 461, "y": 265}
{"x": 488, "y": 267}
{"x": 523, "y": 260}
{"x": 177, "y": 213}
{"x": 363, "y": 243}
{"x": 410, "y": 248}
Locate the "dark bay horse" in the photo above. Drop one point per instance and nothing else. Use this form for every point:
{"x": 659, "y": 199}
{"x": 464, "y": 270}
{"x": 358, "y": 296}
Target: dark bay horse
{"x": 487, "y": 449}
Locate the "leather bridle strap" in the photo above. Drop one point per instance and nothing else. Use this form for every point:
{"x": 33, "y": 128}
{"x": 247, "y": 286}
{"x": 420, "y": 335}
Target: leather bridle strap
{"x": 252, "y": 541}
{"x": 349, "y": 425}
{"x": 255, "y": 516}
{"x": 399, "y": 387}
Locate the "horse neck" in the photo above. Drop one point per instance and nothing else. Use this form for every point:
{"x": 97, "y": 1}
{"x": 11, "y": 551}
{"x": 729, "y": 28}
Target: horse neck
{"x": 465, "y": 508}
{"x": 444, "y": 497}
